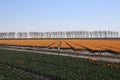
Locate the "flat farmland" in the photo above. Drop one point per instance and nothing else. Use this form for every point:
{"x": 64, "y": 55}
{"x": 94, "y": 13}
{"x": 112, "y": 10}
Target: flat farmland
{"x": 20, "y": 61}
{"x": 77, "y": 44}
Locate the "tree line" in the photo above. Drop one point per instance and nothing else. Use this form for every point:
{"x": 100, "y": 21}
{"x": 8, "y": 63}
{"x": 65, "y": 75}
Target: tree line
{"x": 67, "y": 34}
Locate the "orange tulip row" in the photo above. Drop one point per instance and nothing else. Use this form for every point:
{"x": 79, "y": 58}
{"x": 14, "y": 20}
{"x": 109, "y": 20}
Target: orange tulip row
{"x": 94, "y": 45}
{"x": 99, "y": 45}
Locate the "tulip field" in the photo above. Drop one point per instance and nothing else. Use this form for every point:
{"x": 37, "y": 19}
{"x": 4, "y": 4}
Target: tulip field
{"x": 74, "y": 44}
{"x": 25, "y": 65}
{"x": 20, "y": 65}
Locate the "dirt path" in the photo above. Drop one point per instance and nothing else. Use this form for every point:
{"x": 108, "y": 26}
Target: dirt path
{"x": 80, "y": 55}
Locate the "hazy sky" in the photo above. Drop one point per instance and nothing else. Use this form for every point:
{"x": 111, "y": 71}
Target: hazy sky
{"x": 59, "y": 15}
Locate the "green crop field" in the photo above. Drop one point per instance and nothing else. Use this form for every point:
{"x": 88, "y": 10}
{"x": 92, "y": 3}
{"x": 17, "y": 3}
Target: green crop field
{"x": 15, "y": 65}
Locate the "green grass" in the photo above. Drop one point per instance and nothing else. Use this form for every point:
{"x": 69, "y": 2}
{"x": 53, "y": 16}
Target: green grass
{"x": 14, "y": 64}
